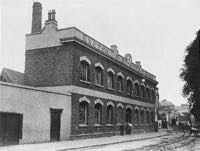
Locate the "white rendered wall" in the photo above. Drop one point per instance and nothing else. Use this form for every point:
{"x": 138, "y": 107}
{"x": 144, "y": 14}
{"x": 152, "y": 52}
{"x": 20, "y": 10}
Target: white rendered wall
{"x": 35, "y": 106}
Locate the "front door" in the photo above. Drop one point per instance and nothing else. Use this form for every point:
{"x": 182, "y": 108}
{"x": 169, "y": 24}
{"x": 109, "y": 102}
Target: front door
{"x": 55, "y": 124}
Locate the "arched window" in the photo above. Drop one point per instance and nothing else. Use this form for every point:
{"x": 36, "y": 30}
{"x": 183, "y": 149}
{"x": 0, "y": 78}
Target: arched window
{"x": 109, "y": 114}
{"x": 129, "y": 115}
{"x": 98, "y": 113}
{"x": 83, "y": 112}
{"x": 119, "y": 114}
{"x": 136, "y": 116}
{"x": 152, "y": 95}
{"x": 85, "y": 71}
{"x": 137, "y": 93}
{"x": 142, "y": 91}
{"x": 110, "y": 80}
{"x": 152, "y": 117}
{"x": 129, "y": 86}
{"x": 99, "y": 75}
{"x": 147, "y": 117}
{"x": 142, "y": 116}
{"x": 148, "y": 94}
{"x": 120, "y": 83}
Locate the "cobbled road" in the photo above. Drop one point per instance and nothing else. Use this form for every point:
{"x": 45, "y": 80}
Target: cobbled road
{"x": 183, "y": 143}
{"x": 172, "y": 142}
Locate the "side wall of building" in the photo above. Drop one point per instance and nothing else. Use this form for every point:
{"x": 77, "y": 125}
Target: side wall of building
{"x": 35, "y": 106}
{"x": 49, "y": 66}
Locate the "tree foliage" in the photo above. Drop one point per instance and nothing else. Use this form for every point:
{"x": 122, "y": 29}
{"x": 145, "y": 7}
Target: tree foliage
{"x": 190, "y": 73}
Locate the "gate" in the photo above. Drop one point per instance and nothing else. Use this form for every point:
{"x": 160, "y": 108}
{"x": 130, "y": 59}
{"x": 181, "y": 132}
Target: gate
{"x": 10, "y": 128}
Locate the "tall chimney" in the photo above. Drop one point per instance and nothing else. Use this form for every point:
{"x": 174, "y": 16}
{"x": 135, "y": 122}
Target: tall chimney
{"x": 36, "y": 17}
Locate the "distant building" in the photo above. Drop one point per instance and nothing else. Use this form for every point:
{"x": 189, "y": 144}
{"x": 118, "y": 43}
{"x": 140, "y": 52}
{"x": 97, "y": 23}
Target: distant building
{"x": 183, "y": 114}
{"x": 166, "y": 112}
{"x": 75, "y": 87}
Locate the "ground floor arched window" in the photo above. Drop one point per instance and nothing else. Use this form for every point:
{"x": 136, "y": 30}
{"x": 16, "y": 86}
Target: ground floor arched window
{"x": 136, "y": 116}
{"x": 128, "y": 115}
{"x": 142, "y": 116}
{"x": 147, "y": 117}
{"x": 109, "y": 114}
{"x": 152, "y": 117}
{"x": 98, "y": 113}
{"x": 83, "y": 112}
{"x": 119, "y": 115}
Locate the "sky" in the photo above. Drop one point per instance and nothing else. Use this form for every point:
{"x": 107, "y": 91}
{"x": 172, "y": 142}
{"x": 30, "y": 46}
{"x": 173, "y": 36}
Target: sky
{"x": 155, "y": 32}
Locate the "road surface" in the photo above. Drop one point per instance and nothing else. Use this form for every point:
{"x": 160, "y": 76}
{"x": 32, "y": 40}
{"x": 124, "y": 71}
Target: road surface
{"x": 172, "y": 142}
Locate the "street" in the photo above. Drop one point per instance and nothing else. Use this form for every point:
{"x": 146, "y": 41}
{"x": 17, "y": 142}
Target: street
{"x": 173, "y": 142}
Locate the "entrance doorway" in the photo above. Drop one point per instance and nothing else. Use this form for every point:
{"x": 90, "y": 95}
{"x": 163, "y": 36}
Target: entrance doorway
{"x": 55, "y": 124}
{"x": 10, "y": 128}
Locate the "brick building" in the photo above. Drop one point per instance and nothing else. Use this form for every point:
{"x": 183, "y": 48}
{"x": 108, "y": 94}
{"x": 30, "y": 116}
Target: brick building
{"x": 106, "y": 89}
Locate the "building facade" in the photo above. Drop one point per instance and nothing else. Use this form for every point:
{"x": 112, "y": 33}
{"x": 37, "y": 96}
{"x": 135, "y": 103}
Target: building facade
{"x": 106, "y": 90}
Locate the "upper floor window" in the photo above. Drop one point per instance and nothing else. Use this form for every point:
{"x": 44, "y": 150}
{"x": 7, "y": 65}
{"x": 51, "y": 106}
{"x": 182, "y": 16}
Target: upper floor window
{"x": 137, "y": 93}
{"x": 142, "y": 91}
{"x": 110, "y": 80}
{"x": 148, "y": 94}
{"x": 85, "y": 71}
{"x": 129, "y": 86}
{"x": 120, "y": 83}
{"x": 152, "y": 95}
{"x": 98, "y": 75}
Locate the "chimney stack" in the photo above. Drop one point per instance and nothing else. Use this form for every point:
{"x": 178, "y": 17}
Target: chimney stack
{"x": 51, "y": 18}
{"x": 138, "y": 63}
{"x": 36, "y": 17}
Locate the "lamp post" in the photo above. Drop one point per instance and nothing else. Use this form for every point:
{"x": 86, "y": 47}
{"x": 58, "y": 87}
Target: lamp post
{"x": 156, "y": 106}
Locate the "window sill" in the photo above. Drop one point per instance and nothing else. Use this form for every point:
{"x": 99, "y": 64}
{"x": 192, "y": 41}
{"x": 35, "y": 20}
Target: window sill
{"x": 83, "y": 125}
{"x": 119, "y": 124}
{"x": 120, "y": 91}
{"x": 88, "y": 82}
{"x": 110, "y": 89}
{"x": 97, "y": 125}
{"x": 109, "y": 124}
{"x": 99, "y": 85}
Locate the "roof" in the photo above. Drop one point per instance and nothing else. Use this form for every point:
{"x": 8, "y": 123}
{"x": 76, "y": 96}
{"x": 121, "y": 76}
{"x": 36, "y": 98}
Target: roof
{"x": 166, "y": 103}
{"x": 11, "y": 76}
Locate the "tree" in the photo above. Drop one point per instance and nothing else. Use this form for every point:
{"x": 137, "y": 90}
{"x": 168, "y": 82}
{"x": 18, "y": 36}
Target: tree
{"x": 190, "y": 73}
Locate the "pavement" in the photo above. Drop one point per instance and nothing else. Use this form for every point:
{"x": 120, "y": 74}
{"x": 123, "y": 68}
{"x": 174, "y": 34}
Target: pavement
{"x": 84, "y": 143}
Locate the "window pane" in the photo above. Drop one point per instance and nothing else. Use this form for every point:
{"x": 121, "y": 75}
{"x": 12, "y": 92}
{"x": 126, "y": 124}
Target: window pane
{"x": 98, "y": 113}
{"x": 84, "y": 71}
{"x": 109, "y": 114}
{"x": 83, "y": 113}
{"x": 99, "y": 76}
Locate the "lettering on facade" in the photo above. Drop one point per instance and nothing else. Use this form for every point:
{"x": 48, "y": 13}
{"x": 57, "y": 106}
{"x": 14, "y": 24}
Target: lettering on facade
{"x": 95, "y": 44}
